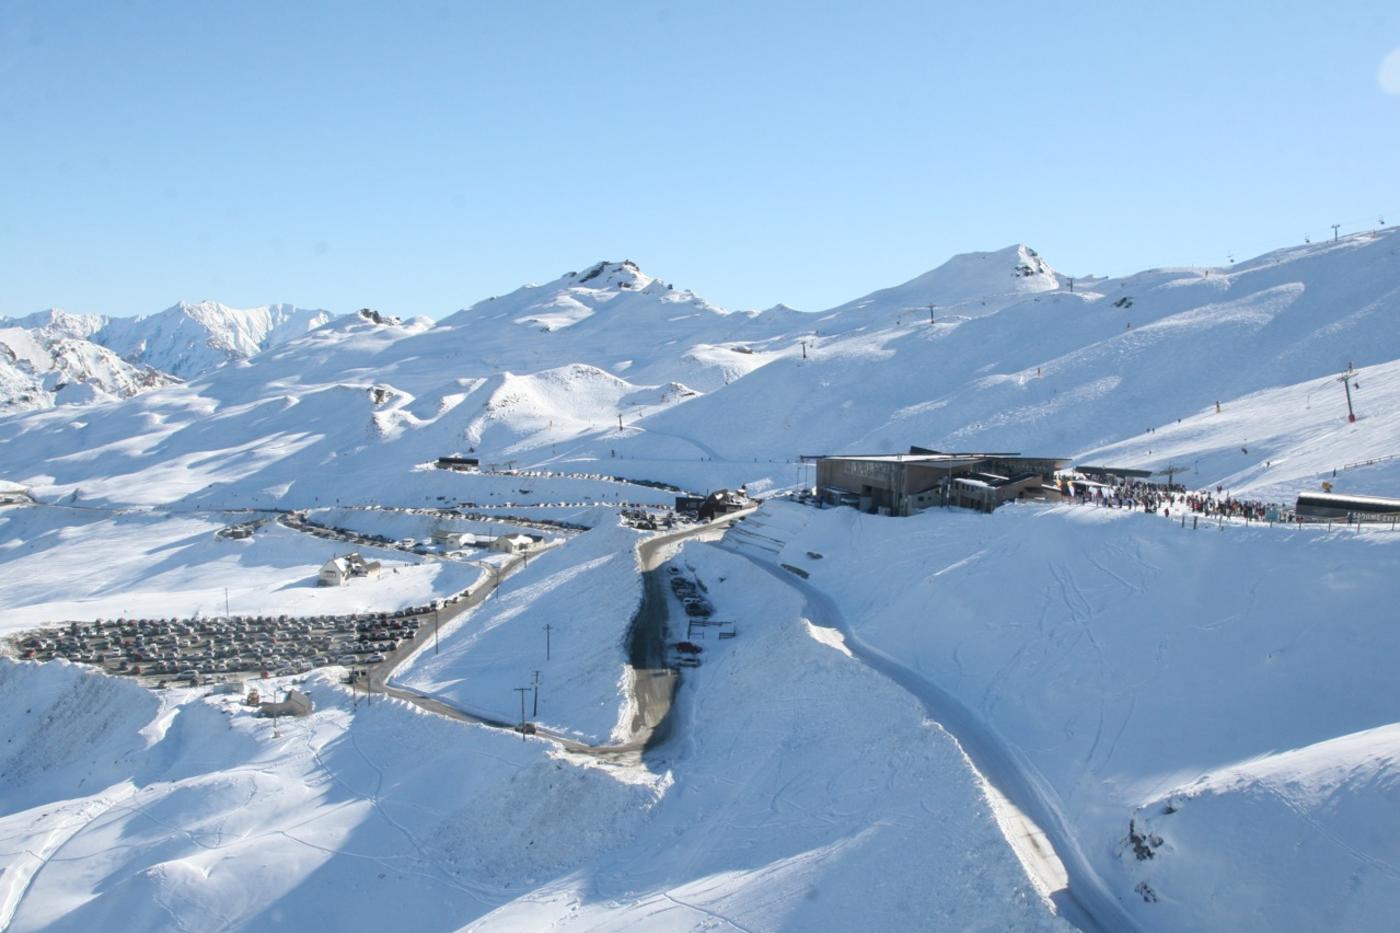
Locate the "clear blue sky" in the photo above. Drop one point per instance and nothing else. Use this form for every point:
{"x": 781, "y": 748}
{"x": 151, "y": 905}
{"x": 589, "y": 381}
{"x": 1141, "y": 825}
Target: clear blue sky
{"x": 419, "y": 157}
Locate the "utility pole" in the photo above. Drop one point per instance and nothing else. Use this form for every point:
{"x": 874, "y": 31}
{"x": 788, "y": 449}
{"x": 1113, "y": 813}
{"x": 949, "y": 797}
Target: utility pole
{"x": 1071, "y": 283}
{"x": 1346, "y": 379}
{"x": 522, "y": 691}
{"x": 619, "y": 423}
{"x": 435, "y": 630}
{"x": 225, "y": 604}
{"x": 1335, "y": 227}
{"x": 931, "y": 306}
{"x": 547, "y": 629}
{"x": 535, "y": 710}
{"x": 804, "y": 349}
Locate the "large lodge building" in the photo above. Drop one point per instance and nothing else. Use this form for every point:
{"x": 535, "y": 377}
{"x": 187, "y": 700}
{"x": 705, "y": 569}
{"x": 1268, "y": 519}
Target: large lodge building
{"x": 903, "y": 484}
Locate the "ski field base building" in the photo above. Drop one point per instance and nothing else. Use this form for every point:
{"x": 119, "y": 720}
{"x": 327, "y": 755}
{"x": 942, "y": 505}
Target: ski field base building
{"x": 904, "y": 484}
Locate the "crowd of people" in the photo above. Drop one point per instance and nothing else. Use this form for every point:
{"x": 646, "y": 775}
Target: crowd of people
{"x": 1172, "y": 499}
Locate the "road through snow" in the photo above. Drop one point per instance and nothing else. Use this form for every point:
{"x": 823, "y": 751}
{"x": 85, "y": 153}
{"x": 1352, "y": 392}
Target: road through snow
{"x": 652, "y": 683}
{"x": 1026, "y": 809}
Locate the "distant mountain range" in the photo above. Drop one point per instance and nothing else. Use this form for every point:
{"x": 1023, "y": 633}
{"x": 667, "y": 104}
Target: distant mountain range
{"x": 54, "y": 357}
{"x": 990, "y": 351}
{"x": 57, "y": 358}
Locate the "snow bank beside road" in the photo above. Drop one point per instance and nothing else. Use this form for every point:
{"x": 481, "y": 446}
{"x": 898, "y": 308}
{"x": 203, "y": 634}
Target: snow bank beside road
{"x": 587, "y": 592}
{"x": 1121, "y": 656}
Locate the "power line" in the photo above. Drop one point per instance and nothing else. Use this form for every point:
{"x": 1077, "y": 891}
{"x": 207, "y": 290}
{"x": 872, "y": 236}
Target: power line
{"x": 522, "y": 691}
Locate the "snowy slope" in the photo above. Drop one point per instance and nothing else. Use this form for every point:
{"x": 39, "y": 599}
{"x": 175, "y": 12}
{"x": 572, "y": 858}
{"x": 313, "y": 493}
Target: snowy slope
{"x": 1273, "y": 443}
{"x": 1134, "y": 661}
{"x": 1313, "y": 809}
{"x": 193, "y": 814}
{"x": 968, "y": 285}
{"x": 588, "y": 593}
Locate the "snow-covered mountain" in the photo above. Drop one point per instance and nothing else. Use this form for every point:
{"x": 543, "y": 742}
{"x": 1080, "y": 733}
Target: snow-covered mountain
{"x": 611, "y": 363}
{"x": 54, "y": 357}
{"x": 55, "y": 322}
{"x": 51, "y": 363}
{"x": 187, "y": 339}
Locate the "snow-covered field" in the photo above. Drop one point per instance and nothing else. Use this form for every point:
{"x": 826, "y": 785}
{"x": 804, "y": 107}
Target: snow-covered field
{"x": 73, "y": 564}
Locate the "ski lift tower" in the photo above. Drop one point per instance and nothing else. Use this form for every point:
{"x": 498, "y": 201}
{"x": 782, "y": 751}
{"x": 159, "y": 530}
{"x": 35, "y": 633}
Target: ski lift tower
{"x": 1346, "y": 380}
{"x": 1170, "y": 471}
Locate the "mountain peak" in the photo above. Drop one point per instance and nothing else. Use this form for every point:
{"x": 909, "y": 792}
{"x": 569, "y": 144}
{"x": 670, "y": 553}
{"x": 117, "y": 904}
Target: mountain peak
{"x": 54, "y": 323}
{"x": 605, "y": 274}
{"x": 975, "y": 283}
{"x": 1017, "y": 261}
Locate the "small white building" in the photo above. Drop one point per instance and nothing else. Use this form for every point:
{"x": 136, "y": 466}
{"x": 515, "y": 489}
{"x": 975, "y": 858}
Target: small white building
{"x": 338, "y": 570}
{"x": 453, "y": 540}
{"x": 334, "y": 572}
{"x": 512, "y": 544}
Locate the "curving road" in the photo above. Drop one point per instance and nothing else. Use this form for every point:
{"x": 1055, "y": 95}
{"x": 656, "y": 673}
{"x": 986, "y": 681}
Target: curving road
{"x": 653, "y": 681}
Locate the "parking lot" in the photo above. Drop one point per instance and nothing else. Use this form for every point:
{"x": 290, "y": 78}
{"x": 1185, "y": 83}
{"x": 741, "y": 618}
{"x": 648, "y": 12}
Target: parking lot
{"x": 161, "y": 651}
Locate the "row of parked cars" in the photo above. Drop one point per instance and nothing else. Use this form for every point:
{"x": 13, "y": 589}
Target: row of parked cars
{"x": 195, "y": 649}
{"x": 688, "y": 591}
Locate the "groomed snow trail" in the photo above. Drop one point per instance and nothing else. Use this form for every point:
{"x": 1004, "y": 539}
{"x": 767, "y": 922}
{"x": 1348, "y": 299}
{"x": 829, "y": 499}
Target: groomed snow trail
{"x": 1026, "y": 808}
